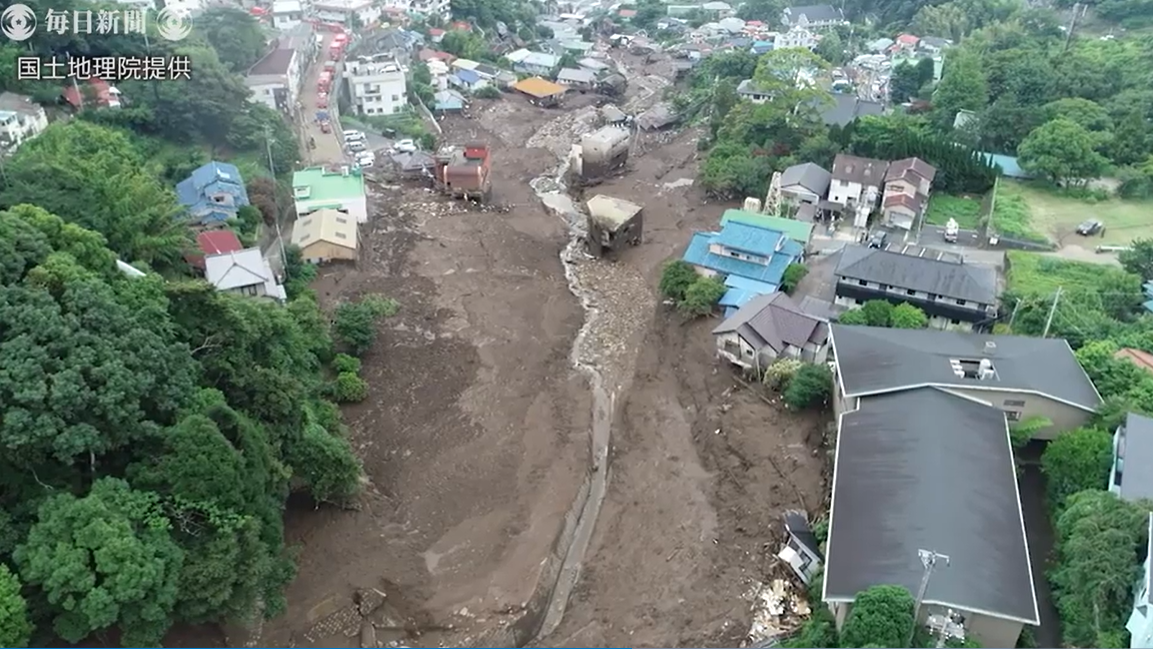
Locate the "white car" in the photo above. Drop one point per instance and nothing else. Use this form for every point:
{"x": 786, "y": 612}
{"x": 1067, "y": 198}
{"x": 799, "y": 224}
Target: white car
{"x": 405, "y": 146}
{"x": 365, "y": 163}
{"x": 356, "y": 146}
{"x": 353, "y": 135}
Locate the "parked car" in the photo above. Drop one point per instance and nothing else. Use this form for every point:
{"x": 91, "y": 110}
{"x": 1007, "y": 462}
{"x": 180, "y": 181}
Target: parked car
{"x": 879, "y": 239}
{"x": 404, "y": 146}
{"x": 1090, "y": 227}
{"x": 353, "y": 136}
{"x": 365, "y": 163}
{"x": 325, "y": 127}
{"x": 356, "y": 147}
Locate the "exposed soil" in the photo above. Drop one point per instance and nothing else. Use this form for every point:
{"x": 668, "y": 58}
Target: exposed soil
{"x": 475, "y": 435}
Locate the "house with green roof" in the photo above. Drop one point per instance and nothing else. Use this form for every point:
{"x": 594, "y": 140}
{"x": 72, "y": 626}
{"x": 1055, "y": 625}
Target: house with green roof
{"x": 338, "y": 188}
{"x": 798, "y": 231}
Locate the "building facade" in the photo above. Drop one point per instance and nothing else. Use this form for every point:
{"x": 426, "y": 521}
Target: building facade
{"x": 376, "y": 85}
{"x": 275, "y": 80}
{"x": 21, "y": 119}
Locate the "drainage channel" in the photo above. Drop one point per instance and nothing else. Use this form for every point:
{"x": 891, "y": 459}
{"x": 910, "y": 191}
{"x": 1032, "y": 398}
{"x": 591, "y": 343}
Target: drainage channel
{"x": 553, "y": 193}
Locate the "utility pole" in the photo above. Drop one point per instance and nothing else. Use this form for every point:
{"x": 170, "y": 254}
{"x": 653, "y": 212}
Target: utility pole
{"x": 275, "y": 196}
{"x": 929, "y": 559}
{"x": 1052, "y": 311}
{"x": 1078, "y": 12}
{"x": 1013, "y": 318}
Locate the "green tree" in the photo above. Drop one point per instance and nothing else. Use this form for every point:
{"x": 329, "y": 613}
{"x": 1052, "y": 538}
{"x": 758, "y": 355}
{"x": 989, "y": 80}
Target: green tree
{"x": 793, "y": 275}
{"x": 853, "y": 317}
{"x": 907, "y": 316}
{"x": 354, "y": 323}
{"x": 1062, "y": 151}
{"x": 349, "y": 388}
{"x": 882, "y": 616}
{"x": 15, "y": 629}
{"x": 832, "y": 49}
{"x": 963, "y": 87}
{"x": 810, "y": 386}
{"x": 1099, "y": 538}
{"x": 235, "y": 35}
{"x": 1089, "y": 115}
{"x": 1138, "y": 258}
{"x": 92, "y": 176}
{"x": 701, "y": 296}
{"x": 877, "y": 313}
{"x": 676, "y": 278}
{"x": 104, "y": 559}
{"x": 1076, "y": 461}
{"x": 905, "y": 83}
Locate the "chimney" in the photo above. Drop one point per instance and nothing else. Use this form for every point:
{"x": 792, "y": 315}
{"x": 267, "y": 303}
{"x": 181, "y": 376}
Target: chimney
{"x": 990, "y": 347}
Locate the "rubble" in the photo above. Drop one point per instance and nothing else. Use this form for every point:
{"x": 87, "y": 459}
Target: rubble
{"x": 778, "y": 610}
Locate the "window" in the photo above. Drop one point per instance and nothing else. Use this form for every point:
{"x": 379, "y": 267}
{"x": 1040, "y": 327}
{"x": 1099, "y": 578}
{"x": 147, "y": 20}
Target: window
{"x": 1013, "y": 415}
{"x": 910, "y": 291}
{"x": 883, "y": 287}
{"x": 341, "y": 220}
{"x": 862, "y": 282}
{"x": 933, "y": 296}
{"x": 396, "y": 109}
{"x": 340, "y": 235}
{"x": 734, "y": 254}
{"x": 1014, "y": 403}
{"x": 955, "y": 323}
{"x": 250, "y": 290}
{"x": 960, "y": 303}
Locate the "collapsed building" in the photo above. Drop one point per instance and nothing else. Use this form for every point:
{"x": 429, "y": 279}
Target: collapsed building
{"x": 600, "y": 153}
{"x": 463, "y": 172}
{"x": 613, "y": 223}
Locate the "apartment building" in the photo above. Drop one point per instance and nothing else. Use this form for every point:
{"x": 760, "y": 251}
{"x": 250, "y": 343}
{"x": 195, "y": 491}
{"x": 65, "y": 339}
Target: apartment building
{"x": 275, "y": 79}
{"x": 376, "y": 85}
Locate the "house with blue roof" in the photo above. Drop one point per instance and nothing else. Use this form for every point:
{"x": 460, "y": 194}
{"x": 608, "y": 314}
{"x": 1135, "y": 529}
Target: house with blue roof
{"x": 750, "y": 259}
{"x": 213, "y": 193}
{"x": 467, "y": 80}
{"x": 1008, "y": 164}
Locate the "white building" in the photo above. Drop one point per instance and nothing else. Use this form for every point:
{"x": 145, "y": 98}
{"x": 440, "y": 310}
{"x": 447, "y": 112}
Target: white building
{"x": 795, "y": 37}
{"x": 340, "y": 188}
{"x": 275, "y": 79}
{"x": 246, "y": 272}
{"x": 185, "y": 7}
{"x": 21, "y": 119}
{"x": 346, "y": 12}
{"x": 287, "y": 14}
{"x": 376, "y": 85}
{"x": 442, "y": 8}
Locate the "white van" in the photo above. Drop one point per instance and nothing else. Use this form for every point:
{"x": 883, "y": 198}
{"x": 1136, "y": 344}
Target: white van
{"x": 356, "y": 146}
{"x": 353, "y": 136}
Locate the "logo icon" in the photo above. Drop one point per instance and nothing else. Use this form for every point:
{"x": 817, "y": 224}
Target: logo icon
{"x": 18, "y": 22}
{"x": 173, "y": 25}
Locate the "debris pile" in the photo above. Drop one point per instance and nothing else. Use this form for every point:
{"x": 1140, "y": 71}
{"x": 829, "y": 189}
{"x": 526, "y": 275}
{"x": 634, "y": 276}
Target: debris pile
{"x": 778, "y": 611}
{"x": 560, "y": 134}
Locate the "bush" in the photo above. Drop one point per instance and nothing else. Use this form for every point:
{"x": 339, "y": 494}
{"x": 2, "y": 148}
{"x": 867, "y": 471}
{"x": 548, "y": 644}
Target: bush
{"x": 907, "y": 316}
{"x": 877, "y": 313}
{"x": 701, "y": 296}
{"x": 793, "y": 276}
{"x": 853, "y": 317}
{"x": 354, "y": 323}
{"x": 810, "y": 386}
{"x": 487, "y": 92}
{"x": 345, "y": 364}
{"x": 1076, "y": 461}
{"x": 676, "y": 278}
{"x": 327, "y": 464}
{"x": 778, "y": 375}
{"x": 349, "y": 388}
{"x": 882, "y": 616}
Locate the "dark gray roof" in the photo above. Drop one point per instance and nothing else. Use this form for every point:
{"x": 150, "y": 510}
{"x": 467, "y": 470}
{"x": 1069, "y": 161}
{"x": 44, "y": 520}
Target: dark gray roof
{"x": 873, "y": 360}
{"x": 815, "y": 13}
{"x": 958, "y": 281}
{"x": 797, "y": 524}
{"x": 808, "y": 175}
{"x": 855, "y": 169}
{"x": 774, "y": 320}
{"x": 936, "y": 41}
{"x": 1137, "y": 466}
{"x": 928, "y": 470}
{"x": 845, "y": 108}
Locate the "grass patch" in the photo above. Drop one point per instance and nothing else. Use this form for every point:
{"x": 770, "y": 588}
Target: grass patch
{"x": 1013, "y": 214}
{"x": 1058, "y": 215}
{"x": 965, "y": 210}
{"x": 1033, "y": 273}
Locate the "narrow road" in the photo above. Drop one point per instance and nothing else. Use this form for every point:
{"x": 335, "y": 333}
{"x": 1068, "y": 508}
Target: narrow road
{"x": 328, "y": 147}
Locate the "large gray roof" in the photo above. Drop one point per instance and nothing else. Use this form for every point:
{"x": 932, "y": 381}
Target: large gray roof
{"x": 874, "y": 360}
{"x": 928, "y": 470}
{"x": 808, "y": 175}
{"x": 774, "y": 320}
{"x": 958, "y": 281}
{"x": 1137, "y": 465}
{"x": 845, "y": 108}
{"x": 815, "y": 13}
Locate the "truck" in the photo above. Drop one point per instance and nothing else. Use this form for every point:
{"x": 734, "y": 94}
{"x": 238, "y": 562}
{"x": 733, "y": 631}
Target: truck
{"x": 951, "y": 230}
